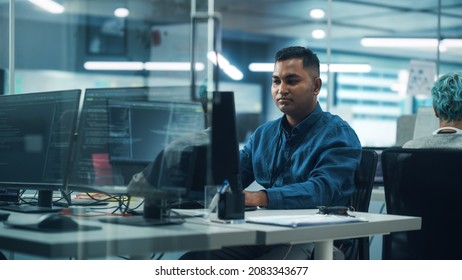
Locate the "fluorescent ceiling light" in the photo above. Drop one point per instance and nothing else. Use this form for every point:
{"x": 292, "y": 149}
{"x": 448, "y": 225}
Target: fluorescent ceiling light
{"x": 49, "y": 6}
{"x": 261, "y": 67}
{"x": 232, "y": 71}
{"x": 417, "y": 43}
{"x": 411, "y": 43}
{"x": 334, "y": 67}
{"x": 114, "y": 65}
{"x": 172, "y": 66}
{"x": 346, "y": 68}
{"x": 317, "y": 13}
{"x": 400, "y": 42}
{"x": 452, "y": 43}
{"x": 121, "y": 12}
{"x": 138, "y": 65}
{"x": 318, "y": 34}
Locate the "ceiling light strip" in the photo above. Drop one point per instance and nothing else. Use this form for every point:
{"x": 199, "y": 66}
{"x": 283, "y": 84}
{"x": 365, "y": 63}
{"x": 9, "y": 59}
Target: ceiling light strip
{"x": 334, "y": 67}
{"x": 49, "y": 6}
{"x": 138, "y": 65}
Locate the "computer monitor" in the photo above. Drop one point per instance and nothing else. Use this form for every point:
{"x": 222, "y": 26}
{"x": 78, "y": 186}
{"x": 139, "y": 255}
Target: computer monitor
{"x": 91, "y": 169}
{"x": 138, "y": 131}
{"x": 225, "y": 156}
{"x": 121, "y": 131}
{"x": 36, "y": 131}
{"x": 171, "y": 137}
{"x": 225, "y": 144}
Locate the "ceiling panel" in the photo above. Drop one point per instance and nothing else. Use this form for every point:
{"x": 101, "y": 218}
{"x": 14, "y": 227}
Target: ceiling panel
{"x": 268, "y": 19}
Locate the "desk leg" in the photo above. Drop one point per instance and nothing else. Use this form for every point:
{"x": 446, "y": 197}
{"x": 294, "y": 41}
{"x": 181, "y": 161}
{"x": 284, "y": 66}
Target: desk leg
{"x": 324, "y": 250}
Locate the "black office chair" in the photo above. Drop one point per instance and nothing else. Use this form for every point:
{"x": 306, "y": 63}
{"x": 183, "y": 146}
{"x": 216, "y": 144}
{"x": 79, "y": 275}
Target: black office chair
{"x": 360, "y": 200}
{"x": 425, "y": 183}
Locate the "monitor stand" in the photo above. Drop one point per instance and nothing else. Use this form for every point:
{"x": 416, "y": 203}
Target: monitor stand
{"x": 44, "y": 205}
{"x": 154, "y": 214}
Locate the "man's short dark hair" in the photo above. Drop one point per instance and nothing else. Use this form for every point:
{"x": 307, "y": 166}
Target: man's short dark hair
{"x": 310, "y": 59}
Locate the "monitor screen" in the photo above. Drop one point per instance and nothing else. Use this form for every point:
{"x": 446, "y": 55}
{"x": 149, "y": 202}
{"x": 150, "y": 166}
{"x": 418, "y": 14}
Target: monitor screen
{"x": 225, "y": 144}
{"x": 90, "y": 163}
{"x": 121, "y": 130}
{"x": 36, "y": 130}
{"x": 138, "y": 131}
{"x": 246, "y": 124}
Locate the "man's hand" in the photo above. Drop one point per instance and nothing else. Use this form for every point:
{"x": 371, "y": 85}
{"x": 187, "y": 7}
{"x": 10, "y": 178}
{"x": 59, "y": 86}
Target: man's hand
{"x": 258, "y": 198}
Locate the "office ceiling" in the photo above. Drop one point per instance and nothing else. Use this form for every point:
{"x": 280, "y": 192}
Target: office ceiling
{"x": 269, "y": 20}
{"x": 351, "y": 20}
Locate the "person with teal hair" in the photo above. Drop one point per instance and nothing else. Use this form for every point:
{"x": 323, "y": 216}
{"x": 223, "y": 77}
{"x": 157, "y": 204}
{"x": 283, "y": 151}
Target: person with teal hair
{"x": 447, "y": 104}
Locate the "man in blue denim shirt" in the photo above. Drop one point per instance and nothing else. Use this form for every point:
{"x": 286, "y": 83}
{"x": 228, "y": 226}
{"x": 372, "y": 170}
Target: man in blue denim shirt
{"x": 304, "y": 159}
{"x": 307, "y": 157}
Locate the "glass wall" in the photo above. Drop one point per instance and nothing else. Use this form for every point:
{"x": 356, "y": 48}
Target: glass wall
{"x": 63, "y": 48}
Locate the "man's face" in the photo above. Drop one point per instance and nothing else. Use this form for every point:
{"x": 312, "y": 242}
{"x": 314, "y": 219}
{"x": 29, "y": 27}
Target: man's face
{"x": 294, "y": 89}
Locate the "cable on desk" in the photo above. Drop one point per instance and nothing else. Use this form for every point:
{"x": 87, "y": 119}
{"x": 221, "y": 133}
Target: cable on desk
{"x": 30, "y": 200}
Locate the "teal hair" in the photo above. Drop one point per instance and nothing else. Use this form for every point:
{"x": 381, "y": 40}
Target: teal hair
{"x": 447, "y": 97}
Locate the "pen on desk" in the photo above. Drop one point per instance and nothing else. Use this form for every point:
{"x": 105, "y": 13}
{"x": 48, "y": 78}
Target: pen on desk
{"x": 213, "y": 204}
{"x": 225, "y": 186}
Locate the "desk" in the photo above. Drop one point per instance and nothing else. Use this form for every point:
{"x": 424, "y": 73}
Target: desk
{"x": 194, "y": 234}
{"x": 119, "y": 240}
{"x": 324, "y": 235}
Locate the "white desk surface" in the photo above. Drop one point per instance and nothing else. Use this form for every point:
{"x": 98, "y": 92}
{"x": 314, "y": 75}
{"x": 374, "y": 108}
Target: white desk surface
{"x": 194, "y": 234}
{"x": 376, "y": 224}
{"x": 118, "y": 240}
{"x": 324, "y": 235}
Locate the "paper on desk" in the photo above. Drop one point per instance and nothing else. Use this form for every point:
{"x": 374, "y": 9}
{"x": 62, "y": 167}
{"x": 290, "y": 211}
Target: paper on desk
{"x": 190, "y": 212}
{"x": 304, "y": 220}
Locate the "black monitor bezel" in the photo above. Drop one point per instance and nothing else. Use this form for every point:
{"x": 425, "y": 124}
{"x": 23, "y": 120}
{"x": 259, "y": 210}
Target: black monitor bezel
{"x": 49, "y": 186}
{"x": 45, "y": 189}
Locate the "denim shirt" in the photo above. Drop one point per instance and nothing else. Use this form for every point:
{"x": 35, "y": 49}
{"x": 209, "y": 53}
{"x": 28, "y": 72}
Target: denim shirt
{"x": 310, "y": 166}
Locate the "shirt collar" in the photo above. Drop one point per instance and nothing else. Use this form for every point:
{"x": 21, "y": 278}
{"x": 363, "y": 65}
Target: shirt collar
{"x": 452, "y": 129}
{"x": 305, "y": 125}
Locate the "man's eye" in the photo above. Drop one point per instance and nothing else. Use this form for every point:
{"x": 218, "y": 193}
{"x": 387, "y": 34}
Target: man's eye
{"x": 292, "y": 82}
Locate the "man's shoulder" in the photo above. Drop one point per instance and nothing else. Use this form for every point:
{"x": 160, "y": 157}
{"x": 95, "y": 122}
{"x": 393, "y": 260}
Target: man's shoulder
{"x": 334, "y": 121}
{"x": 448, "y": 141}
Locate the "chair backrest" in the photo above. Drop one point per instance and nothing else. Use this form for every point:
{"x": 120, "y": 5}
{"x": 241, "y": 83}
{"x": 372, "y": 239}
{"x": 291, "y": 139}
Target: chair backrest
{"x": 405, "y": 125}
{"x": 364, "y": 180}
{"x": 425, "y": 183}
{"x": 360, "y": 200}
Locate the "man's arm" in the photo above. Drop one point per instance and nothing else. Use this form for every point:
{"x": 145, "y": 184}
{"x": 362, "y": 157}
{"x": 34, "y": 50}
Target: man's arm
{"x": 256, "y": 198}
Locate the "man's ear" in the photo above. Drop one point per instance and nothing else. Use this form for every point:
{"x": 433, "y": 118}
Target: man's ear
{"x": 317, "y": 85}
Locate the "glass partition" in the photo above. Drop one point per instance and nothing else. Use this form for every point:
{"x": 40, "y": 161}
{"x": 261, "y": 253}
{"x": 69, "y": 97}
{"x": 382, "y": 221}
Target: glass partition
{"x": 379, "y": 58}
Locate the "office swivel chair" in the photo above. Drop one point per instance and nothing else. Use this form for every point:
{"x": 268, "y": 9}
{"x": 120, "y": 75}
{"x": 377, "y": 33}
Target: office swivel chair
{"x": 360, "y": 200}
{"x": 425, "y": 183}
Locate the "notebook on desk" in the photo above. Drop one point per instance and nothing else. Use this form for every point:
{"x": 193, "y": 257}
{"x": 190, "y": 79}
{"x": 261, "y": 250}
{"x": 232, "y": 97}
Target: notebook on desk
{"x": 304, "y": 220}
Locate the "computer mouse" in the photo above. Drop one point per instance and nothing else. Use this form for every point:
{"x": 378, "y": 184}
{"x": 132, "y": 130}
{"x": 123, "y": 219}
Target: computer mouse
{"x": 4, "y": 216}
{"x": 57, "y": 221}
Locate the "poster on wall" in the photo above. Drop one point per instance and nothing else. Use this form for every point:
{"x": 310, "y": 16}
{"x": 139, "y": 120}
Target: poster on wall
{"x": 422, "y": 75}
